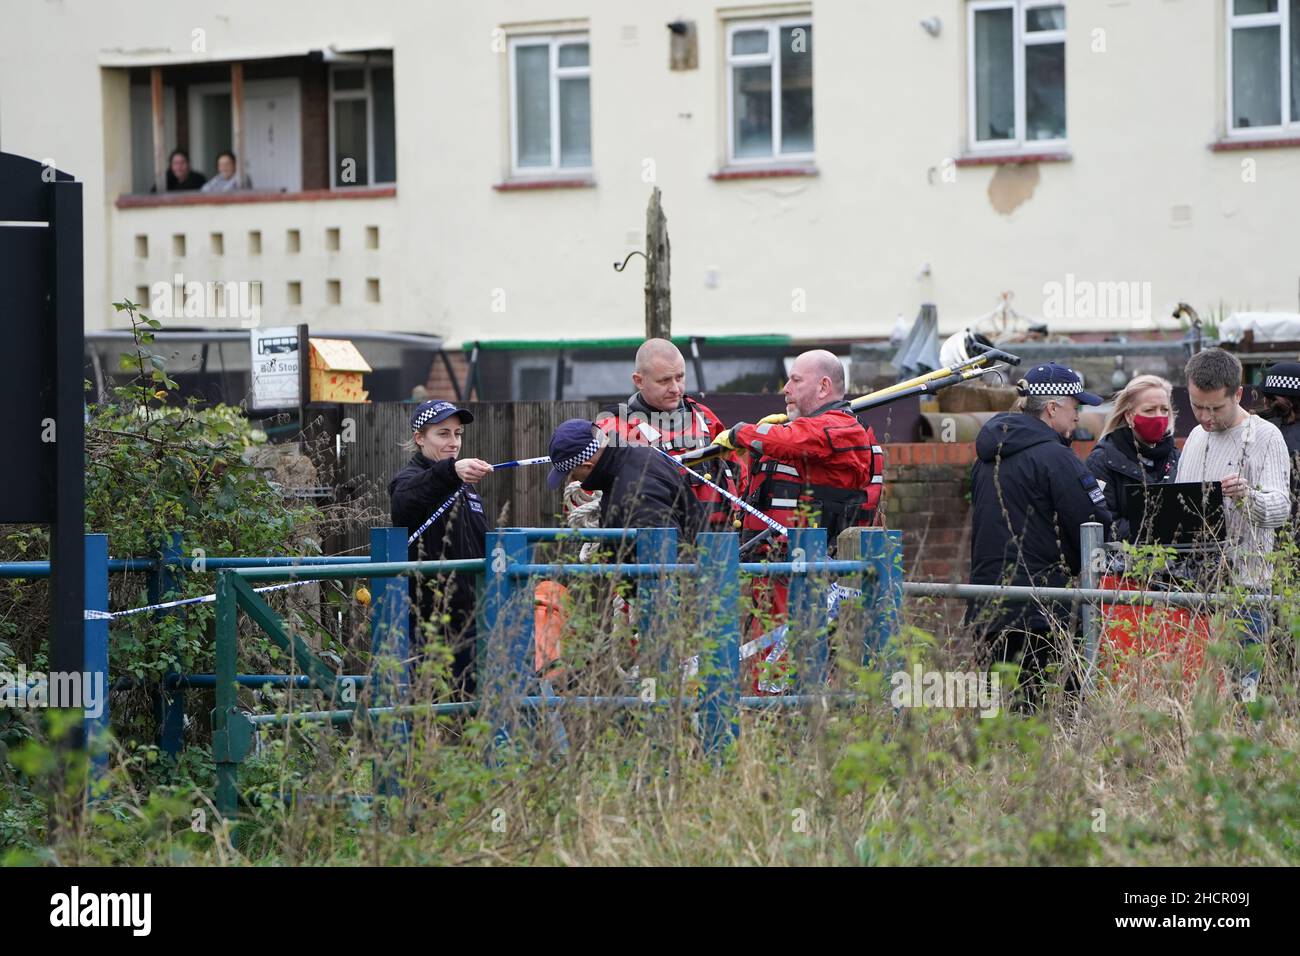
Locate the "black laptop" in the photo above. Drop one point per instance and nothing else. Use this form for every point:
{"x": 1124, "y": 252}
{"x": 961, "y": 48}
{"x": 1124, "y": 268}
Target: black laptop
{"x": 1181, "y": 514}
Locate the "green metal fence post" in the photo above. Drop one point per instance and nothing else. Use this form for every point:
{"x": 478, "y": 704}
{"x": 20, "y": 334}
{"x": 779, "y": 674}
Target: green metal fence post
{"x": 169, "y": 702}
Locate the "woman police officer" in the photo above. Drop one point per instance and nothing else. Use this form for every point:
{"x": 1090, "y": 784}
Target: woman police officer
{"x": 436, "y": 477}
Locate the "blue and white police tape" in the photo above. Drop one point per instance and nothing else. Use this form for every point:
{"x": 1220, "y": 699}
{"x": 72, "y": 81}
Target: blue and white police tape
{"x": 744, "y": 505}
{"x": 183, "y": 602}
{"x": 435, "y": 516}
{"x": 520, "y": 462}
{"x": 517, "y": 463}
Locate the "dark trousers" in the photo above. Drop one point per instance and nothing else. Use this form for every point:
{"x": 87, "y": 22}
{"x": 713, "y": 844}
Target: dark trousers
{"x": 1029, "y": 636}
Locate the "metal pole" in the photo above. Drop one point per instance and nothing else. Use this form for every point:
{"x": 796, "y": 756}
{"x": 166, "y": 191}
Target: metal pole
{"x": 884, "y": 592}
{"x": 390, "y": 623}
{"x": 169, "y": 700}
{"x": 506, "y": 630}
{"x": 226, "y": 758}
{"x": 1092, "y": 559}
{"x": 807, "y": 635}
{"x": 1015, "y": 593}
{"x": 719, "y": 576}
{"x": 390, "y": 644}
{"x": 655, "y": 598}
{"x": 96, "y": 654}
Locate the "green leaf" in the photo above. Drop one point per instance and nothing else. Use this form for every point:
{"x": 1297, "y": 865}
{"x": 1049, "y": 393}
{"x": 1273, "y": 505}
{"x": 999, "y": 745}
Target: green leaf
{"x": 127, "y": 362}
{"x": 152, "y": 323}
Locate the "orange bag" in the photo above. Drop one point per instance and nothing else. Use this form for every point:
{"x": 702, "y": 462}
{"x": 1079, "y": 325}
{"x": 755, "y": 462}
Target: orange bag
{"x": 1133, "y": 634}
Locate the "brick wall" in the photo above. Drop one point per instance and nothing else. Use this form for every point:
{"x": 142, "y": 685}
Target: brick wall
{"x": 439, "y": 384}
{"x": 925, "y": 498}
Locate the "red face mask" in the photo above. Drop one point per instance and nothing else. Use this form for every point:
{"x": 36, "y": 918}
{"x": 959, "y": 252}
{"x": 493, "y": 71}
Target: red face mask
{"x": 1151, "y": 428}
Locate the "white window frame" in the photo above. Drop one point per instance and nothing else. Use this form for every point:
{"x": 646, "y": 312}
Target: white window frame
{"x": 1021, "y": 38}
{"x": 557, "y": 73}
{"x": 365, "y": 93}
{"x": 771, "y": 58}
{"x": 1280, "y": 18}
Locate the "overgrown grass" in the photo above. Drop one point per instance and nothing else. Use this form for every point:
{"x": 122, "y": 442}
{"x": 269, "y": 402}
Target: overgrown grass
{"x": 1153, "y": 768}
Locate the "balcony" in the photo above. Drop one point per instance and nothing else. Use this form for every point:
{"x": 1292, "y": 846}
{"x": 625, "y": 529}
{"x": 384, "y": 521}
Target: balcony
{"x": 323, "y": 257}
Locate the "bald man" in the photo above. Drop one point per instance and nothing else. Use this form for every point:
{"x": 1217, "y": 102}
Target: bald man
{"x": 820, "y": 468}
{"x": 660, "y": 413}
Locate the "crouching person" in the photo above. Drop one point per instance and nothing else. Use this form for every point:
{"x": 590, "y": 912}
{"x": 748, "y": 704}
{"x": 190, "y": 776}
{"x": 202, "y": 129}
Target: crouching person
{"x": 437, "y": 481}
{"x": 640, "y": 487}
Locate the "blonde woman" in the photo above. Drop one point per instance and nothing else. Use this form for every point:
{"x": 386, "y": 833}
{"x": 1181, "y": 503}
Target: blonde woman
{"x": 1136, "y": 446}
{"x": 437, "y": 481}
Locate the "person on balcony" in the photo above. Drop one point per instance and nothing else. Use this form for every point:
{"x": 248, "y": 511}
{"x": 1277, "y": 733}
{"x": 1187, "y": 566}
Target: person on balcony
{"x": 180, "y": 175}
{"x": 227, "y": 178}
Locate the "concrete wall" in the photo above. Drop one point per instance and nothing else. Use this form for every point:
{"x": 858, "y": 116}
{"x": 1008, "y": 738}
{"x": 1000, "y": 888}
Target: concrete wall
{"x": 1141, "y": 198}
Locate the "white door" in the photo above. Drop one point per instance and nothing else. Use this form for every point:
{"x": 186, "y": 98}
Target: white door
{"x": 273, "y": 135}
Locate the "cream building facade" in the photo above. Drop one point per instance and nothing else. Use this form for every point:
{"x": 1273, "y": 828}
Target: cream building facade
{"x": 824, "y": 167}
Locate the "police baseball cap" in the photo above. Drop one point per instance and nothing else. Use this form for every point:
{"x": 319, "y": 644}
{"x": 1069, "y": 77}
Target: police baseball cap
{"x": 432, "y": 412}
{"x": 1052, "y": 380}
{"x": 1282, "y": 379}
{"x": 573, "y": 444}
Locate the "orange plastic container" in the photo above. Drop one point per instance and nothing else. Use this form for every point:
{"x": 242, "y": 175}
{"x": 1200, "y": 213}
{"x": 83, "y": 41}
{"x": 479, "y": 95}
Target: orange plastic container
{"x": 1150, "y": 636}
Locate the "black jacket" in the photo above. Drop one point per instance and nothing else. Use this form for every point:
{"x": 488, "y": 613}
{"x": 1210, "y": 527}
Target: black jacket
{"x": 642, "y": 489}
{"x": 1119, "y": 461}
{"x": 417, "y": 491}
{"x": 1291, "y": 435}
{"x": 1029, "y": 496}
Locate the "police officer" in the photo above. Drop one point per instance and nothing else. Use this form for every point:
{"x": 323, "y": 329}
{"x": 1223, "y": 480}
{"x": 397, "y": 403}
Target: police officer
{"x": 436, "y": 474}
{"x": 660, "y": 413}
{"x": 640, "y": 488}
{"x": 1281, "y": 389}
{"x": 819, "y": 468}
{"x": 1030, "y": 495}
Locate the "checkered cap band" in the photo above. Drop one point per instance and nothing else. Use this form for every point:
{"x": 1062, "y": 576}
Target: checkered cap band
{"x": 1282, "y": 381}
{"x": 581, "y": 458}
{"x": 1053, "y": 388}
{"x": 429, "y": 413}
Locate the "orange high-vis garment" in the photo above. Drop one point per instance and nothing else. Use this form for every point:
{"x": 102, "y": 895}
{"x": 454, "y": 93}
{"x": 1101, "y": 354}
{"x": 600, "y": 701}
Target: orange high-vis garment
{"x": 550, "y": 616}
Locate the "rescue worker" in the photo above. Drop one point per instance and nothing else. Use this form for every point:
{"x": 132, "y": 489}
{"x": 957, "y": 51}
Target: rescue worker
{"x": 660, "y": 413}
{"x": 820, "y": 468}
{"x": 1030, "y": 495}
{"x": 436, "y": 473}
{"x": 639, "y": 488}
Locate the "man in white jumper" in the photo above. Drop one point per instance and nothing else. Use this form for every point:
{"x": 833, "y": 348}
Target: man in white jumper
{"x": 1249, "y": 456}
